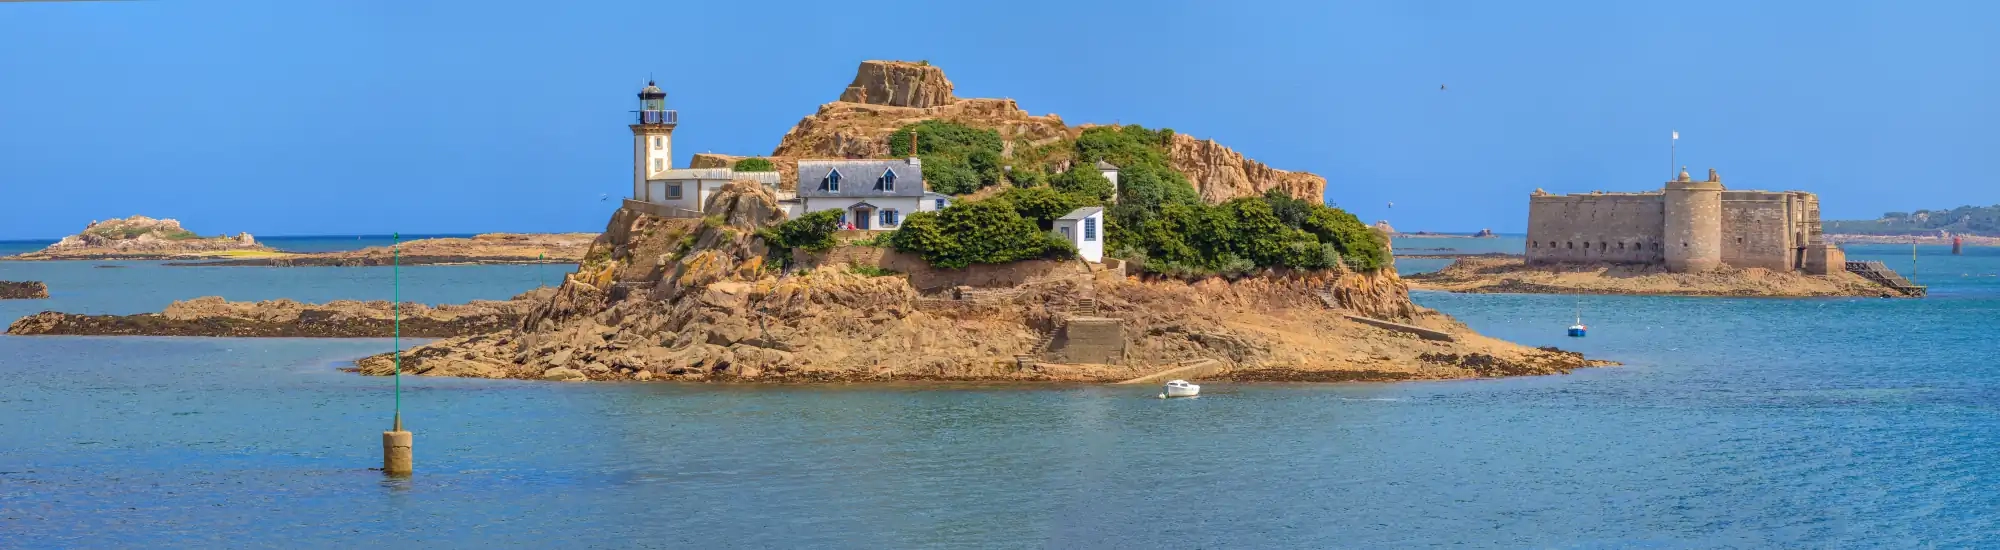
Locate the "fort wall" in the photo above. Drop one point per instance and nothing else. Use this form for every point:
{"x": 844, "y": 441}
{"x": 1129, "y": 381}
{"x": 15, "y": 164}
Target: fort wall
{"x": 1757, "y": 230}
{"x": 1598, "y": 227}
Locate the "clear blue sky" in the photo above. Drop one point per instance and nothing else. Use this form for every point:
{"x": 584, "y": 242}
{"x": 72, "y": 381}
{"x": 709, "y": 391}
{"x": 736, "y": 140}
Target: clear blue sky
{"x": 349, "y": 116}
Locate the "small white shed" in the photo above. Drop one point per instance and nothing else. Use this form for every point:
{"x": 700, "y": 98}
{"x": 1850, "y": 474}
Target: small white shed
{"x": 1084, "y": 227}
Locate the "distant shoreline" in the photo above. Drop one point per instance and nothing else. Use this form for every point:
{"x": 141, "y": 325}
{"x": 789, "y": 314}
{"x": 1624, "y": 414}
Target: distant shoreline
{"x": 1969, "y": 240}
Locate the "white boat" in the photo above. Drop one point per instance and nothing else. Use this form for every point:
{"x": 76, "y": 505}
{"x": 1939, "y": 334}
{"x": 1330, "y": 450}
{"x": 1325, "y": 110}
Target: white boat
{"x": 1181, "y": 388}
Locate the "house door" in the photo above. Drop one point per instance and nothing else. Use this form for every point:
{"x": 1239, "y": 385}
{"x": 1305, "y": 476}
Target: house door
{"x": 862, "y": 216}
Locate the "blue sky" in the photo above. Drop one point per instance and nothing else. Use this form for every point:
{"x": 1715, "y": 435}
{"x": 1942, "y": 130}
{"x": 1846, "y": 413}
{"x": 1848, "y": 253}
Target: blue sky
{"x": 353, "y": 116}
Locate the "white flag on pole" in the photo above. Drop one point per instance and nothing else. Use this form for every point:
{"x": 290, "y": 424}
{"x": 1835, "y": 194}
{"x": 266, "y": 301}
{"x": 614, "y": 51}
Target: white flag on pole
{"x": 1677, "y": 134}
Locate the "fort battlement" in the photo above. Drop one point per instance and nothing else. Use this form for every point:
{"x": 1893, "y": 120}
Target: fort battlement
{"x": 1687, "y": 226}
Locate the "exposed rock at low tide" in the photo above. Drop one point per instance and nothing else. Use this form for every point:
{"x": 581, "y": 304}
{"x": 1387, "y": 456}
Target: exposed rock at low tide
{"x": 213, "y": 316}
{"x": 23, "y": 290}
{"x": 488, "y": 248}
{"x": 1515, "y": 276}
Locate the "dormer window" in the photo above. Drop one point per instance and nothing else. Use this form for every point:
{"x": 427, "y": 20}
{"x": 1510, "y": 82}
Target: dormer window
{"x": 831, "y": 182}
{"x": 887, "y": 182}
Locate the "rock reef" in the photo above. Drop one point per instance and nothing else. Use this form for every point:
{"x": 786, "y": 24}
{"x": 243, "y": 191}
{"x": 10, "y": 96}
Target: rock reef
{"x": 213, "y": 316}
{"x": 23, "y": 290}
{"x": 686, "y": 300}
{"x": 1514, "y": 275}
{"x": 143, "y": 238}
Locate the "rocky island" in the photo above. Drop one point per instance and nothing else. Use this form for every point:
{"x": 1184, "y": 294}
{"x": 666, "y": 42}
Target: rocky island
{"x": 213, "y": 316}
{"x": 144, "y": 238}
{"x": 487, "y": 248}
{"x": 23, "y": 290}
{"x": 1215, "y": 266}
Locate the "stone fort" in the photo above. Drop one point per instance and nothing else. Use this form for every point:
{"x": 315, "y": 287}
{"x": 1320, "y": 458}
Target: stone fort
{"x": 1687, "y": 226}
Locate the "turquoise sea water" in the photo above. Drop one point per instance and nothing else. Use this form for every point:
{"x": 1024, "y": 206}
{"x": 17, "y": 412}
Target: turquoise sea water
{"x": 1734, "y": 423}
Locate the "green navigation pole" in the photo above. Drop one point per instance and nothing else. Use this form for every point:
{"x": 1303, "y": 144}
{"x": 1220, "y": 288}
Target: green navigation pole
{"x": 396, "y": 443}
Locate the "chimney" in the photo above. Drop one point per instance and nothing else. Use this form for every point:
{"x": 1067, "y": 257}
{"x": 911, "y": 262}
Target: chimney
{"x": 913, "y": 149}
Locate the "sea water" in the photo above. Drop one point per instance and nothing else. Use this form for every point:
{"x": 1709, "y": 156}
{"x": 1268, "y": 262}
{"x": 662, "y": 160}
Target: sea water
{"x": 1843, "y": 422}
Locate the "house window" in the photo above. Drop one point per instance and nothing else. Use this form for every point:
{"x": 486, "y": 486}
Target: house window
{"x": 656, "y": 143}
{"x": 1090, "y": 229}
{"x": 940, "y": 204}
{"x": 674, "y": 191}
{"x": 656, "y": 164}
{"x": 1569, "y": 245}
{"x": 887, "y": 182}
{"x": 889, "y": 218}
{"x": 831, "y": 182}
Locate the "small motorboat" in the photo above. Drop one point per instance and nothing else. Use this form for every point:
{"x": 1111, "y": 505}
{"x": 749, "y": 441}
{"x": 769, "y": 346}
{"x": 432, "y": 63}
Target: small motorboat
{"x": 1181, "y": 388}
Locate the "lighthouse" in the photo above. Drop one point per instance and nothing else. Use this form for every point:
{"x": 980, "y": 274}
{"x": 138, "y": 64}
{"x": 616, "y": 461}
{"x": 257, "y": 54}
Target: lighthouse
{"x": 652, "y": 137}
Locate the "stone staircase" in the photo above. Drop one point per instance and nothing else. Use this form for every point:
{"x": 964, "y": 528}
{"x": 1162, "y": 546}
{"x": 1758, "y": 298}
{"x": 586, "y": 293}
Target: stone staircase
{"x": 1882, "y": 275}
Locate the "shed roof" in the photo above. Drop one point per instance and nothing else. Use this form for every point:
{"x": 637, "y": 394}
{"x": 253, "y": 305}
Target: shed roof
{"x": 1101, "y": 165}
{"x": 1082, "y": 213}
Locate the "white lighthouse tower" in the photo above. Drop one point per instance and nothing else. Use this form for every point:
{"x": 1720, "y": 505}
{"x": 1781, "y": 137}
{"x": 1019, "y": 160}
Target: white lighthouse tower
{"x": 652, "y": 137}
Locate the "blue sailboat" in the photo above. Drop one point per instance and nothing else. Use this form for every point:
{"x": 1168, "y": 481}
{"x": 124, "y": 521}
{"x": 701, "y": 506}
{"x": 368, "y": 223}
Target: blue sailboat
{"x": 1577, "y": 330}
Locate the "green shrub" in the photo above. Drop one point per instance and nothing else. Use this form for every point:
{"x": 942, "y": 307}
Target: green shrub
{"x": 1083, "y": 179}
{"x": 1028, "y": 176}
{"x": 813, "y": 232}
{"x": 755, "y": 164}
{"x": 979, "y": 232}
{"x": 869, "y": 270}
{"x": 1043, "y": 204}
{"x": 958, "y": 159}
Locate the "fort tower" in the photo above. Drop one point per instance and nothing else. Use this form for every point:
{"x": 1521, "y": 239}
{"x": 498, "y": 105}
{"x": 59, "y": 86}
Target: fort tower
{"x": 1693, "y": 223}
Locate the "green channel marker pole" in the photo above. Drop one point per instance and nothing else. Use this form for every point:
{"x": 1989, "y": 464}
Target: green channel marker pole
{"x": 396, "y": 443}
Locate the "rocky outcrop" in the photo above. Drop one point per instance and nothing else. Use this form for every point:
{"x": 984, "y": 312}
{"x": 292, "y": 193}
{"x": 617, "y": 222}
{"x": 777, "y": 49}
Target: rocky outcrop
{"x": 1485, "y": 234}
{"x": 487, "y": 248}
{"x": 1515, "y": 276}
{"x": 682, "y": 299}
{"x": 899, "y": 84}
{"x": 141, "y": 237}
{"x": 887, "y": 95}
{"x": 1220, "y": 173}
{"x": 23, "y": 290}
{"x": 213, "y": 316}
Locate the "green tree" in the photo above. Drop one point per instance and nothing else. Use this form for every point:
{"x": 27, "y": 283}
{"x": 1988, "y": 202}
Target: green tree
{"x": 1083, "y": 179}
{"x": 755, "y": 164}
{"x": 813, "y": 232}
{"x": 1044, "y": 205}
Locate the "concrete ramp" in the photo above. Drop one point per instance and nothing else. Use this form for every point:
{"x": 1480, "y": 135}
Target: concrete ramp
{"x": 1421, "y": 332}
{"x": 1187, "y": 371}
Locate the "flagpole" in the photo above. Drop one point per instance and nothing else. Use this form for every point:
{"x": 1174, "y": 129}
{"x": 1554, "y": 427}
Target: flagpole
{"x": 1673, "y": 156}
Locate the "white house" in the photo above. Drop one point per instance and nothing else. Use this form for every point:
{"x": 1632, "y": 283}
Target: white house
{"x": 1084, "y": 227}
{"x": 690, "y": 188}
{"x": 870, "y": 194}
{"x": 1110, "y": 172}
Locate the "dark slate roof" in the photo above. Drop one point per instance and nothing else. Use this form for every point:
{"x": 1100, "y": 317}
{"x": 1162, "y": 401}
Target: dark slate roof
{"x": 858, "y": 178}
{"x": 1101, "y": 165}
{"x": 1082, "y": 213}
